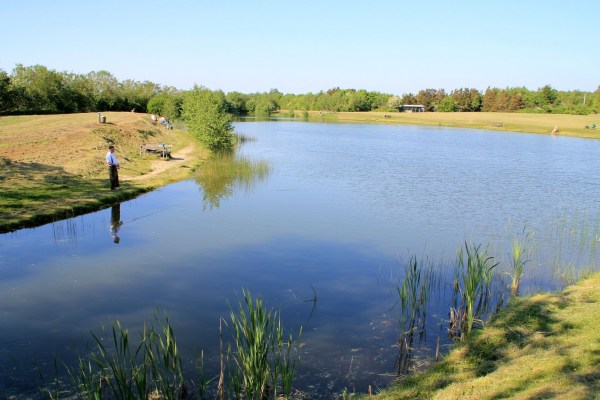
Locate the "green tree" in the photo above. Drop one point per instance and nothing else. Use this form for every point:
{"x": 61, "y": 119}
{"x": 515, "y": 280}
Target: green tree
{"x": 549, "y": 94}
{"x": 408, "y": 98}
{"x": 6, "y": 103}
{"x": 236, "y": 103}
{"x": 466, "y": 99}
{"x": 447, "y": 104}
{"x": 205, "y": 116}
{"x": 106, "y": 90}
{"x": 43, "y": 89}
{"x": 167, "y": 104}
{"x": 394, "y": 103}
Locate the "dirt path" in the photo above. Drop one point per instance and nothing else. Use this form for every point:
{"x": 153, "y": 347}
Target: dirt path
{"x": 161, "y": 165}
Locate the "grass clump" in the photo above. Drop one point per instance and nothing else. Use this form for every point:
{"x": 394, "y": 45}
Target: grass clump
{"x": 472, "y": 288}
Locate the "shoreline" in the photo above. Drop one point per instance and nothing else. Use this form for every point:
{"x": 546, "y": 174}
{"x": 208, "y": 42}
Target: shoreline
{"x": 567, "y": 125}
{"x": 544, "y": 345}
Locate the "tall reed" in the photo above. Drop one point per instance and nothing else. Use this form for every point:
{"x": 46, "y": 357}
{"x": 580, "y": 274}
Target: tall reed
{"x": 414, "y": 294}
{"x": 519, "y": 256}
{"x": 472, "y": 286}
{"x": 119, "y": 369}
{"x": 262, "y": 359}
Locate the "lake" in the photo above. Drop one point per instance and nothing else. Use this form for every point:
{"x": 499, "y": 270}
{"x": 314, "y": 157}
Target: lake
{"x": 323, "y": 238}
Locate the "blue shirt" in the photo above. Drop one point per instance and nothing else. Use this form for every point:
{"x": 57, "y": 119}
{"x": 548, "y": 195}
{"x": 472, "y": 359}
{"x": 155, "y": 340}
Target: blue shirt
{"x": 111, "y": 159}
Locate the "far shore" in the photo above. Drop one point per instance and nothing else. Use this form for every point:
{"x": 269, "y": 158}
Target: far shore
{"x": 566, "y": 125}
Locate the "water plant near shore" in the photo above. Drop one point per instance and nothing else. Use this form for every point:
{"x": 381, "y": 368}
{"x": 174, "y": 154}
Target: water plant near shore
{"x": 263, "y": 360}
{"x": 519, "y": 256}
{"x": 472, "y": 284}
{"x": 414, "y": 294}
{"x": 117, "y": 368}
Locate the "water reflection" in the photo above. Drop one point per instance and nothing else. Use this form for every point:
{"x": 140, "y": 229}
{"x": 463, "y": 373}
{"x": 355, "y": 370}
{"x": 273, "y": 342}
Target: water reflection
{"x": 221, "y": 175}
{"x": 115, "y": 222}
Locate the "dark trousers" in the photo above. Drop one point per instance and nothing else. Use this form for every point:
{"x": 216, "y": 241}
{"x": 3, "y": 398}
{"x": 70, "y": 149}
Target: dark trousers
{"x": 113, "y": 174}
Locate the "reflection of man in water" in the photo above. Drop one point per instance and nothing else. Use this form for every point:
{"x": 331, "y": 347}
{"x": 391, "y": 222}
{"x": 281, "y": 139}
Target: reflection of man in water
{"x": 115, "y": 222}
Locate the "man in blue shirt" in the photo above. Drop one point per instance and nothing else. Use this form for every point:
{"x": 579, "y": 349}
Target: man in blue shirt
{"x": 113, "y": 166}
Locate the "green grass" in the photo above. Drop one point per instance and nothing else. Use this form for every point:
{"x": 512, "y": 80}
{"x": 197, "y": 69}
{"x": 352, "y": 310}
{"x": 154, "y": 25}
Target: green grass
{"x": 34, "y": 194}
{"x": 542, "y": 346}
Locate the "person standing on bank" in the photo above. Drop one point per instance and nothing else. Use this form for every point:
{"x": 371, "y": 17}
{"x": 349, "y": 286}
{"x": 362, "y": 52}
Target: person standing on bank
{"x": 113, "y": 166}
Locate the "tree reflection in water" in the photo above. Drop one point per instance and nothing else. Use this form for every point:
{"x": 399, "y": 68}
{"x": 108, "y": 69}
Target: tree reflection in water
{"x": 220, "y": 175}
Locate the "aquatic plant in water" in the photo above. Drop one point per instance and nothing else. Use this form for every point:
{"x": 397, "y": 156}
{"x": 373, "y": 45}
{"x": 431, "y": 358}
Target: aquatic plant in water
{"x": 472, "y": 284}
{"x": 262, "y": 359}
{"x": 117, "y": 368}
{"x": 414, "y": 294}
{"x": 520, "y": 253}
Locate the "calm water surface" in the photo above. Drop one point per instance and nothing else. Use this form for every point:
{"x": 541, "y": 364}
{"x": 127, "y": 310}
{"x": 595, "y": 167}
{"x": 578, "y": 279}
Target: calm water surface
{"x": 342, "y": 210}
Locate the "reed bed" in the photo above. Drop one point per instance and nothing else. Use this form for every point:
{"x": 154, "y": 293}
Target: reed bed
{"x": 118, "y": 368}
{"x": 260, "y": 362}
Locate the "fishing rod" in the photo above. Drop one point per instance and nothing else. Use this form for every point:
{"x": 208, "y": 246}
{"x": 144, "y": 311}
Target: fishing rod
{"x": 144, "y": 216}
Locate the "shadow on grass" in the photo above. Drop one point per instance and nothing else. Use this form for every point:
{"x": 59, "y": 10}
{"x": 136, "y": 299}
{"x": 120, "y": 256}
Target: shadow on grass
{"x": 34, "y": 194}
{"x": 521, "y": 324}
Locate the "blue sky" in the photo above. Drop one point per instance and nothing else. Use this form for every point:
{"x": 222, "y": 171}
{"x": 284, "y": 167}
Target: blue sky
{"x": 393, "y": 47}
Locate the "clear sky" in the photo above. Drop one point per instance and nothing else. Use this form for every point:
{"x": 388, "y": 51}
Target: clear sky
{"x": 306, "y": 46}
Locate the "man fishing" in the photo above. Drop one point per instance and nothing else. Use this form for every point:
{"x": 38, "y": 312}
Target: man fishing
{"x": 113, "y": 166}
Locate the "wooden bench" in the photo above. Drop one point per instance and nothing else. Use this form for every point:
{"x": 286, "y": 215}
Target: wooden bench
{"x": 164, "y": 150}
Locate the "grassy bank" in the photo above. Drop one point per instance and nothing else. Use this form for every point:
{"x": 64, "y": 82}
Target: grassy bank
{"x": 540, "y": 347}
{"x": 53, "y": 165}
{"x": 568, "y": 125}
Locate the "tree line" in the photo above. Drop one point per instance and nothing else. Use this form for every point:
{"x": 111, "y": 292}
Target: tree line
{"x": 37, "y": 89}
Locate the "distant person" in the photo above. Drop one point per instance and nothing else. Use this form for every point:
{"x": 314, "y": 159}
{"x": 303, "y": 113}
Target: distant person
{"x": 555, "y": 130}
{"x": 161, "y": 120}
{"x": 153, "y": 118}
{"x": 115, "y": 222}
{"x": 113, "y": 167}
{"x": 168, "y": 121}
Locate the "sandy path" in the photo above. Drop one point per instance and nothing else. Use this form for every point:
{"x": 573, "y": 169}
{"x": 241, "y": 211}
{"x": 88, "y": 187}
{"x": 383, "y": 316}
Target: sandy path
{"x": 159, "y": 166}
